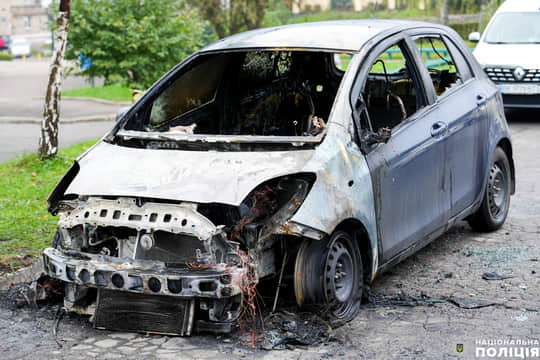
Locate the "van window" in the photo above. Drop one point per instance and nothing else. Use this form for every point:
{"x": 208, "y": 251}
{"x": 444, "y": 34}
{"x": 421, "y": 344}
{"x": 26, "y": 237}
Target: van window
{"x": 514, "y": 28}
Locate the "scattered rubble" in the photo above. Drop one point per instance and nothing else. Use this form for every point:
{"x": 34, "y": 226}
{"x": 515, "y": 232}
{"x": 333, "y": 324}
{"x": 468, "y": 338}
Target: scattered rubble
{"x": 470, "y": 303}
{"x": 495, "y": 276}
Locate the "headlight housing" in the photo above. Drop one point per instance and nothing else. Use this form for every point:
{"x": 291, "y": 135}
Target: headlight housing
{"x": 270, "y": 205}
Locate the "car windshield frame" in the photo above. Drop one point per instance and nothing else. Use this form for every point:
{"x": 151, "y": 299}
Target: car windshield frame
{"x": 514, "y": 28}
{"x": 127, "y": 130}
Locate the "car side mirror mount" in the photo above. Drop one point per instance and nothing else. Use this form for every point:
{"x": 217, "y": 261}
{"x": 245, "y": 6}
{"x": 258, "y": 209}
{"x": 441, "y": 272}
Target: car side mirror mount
{"x": 474, "y": 37}
{"x": 121, "y": 113}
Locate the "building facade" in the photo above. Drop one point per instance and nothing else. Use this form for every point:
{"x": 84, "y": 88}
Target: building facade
{"x": 5, "y": 18}
{"x": 358, "y": 5}
{"x": 25, "y": 18}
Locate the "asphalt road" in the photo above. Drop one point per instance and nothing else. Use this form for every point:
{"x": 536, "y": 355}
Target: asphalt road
{"x": 423, "y": 308}
{"x": 17, "y": 139}
{"x": 22, "y": 86}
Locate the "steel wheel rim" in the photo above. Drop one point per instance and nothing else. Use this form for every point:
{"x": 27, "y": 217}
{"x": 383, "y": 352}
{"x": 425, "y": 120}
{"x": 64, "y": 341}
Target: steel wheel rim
{"x": 339, "y": 273}
{"x": 497, "y": 191}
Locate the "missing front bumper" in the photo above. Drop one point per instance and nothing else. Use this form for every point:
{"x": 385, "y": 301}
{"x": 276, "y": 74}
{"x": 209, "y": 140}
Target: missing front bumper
{"x": 143, "y": 276}
{"x": 148, "y": 296}
{"x": 116, "y": 310}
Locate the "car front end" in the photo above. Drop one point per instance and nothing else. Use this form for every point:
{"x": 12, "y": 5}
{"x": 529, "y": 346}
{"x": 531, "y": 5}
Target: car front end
{"x": 509, "y": 52}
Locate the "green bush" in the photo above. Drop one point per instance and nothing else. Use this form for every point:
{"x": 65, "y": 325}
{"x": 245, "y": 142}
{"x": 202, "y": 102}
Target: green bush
{"x": 133, "y": 42}
{"x": 5, "y": 57}
{"x": 465, "y": 28}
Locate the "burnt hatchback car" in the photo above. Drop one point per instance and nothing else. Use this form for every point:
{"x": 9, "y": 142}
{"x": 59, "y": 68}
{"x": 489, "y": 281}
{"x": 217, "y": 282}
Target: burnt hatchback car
{"x": 321, "y": 153}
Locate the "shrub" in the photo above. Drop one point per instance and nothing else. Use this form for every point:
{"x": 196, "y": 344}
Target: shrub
{"x": 5, "y": 57}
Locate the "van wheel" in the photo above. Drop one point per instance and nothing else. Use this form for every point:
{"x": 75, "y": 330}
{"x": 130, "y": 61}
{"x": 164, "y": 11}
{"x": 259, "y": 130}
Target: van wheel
{"x": 328, "y": 274}
{"x": 496, "y": 201}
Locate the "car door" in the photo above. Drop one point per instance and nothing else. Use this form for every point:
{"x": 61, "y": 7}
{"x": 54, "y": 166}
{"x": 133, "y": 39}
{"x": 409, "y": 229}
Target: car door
{"x": 462, "y": 104}
{"x": 411, "y": 188}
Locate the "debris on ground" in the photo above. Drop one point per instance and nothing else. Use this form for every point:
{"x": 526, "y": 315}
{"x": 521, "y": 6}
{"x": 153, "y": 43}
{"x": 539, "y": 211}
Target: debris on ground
{"x": 286, "y": 330}
{"x": 470, "y": 303}
{"x": 495, "y": 276}
{"x": 43, "y": 289}
{"x": 402, "y": 299}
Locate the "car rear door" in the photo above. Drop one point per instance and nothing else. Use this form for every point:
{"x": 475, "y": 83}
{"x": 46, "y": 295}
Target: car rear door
{"x": 462, "y": 103}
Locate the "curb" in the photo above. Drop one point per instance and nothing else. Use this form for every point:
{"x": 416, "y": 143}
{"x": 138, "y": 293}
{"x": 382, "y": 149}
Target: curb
{"x": 34, "y": 120}
{"x": 27, "y": 274}
{"x": 99, "y": 101}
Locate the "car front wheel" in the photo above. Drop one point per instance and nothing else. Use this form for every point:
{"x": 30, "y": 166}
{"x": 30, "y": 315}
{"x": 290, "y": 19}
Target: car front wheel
{"x": 328, "y": 275}
{"x": 496, "y": 200}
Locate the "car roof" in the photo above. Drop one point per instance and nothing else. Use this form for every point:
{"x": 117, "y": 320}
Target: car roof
{"x": 342, "y": 35}
{"x": 519, "y": 5}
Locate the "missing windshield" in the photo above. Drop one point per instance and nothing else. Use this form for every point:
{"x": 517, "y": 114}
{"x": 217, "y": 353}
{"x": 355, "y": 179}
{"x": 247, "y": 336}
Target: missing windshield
{"x": 252, "y": 93}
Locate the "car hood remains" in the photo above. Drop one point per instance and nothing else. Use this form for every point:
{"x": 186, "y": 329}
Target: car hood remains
{"x": 191, "y": 176}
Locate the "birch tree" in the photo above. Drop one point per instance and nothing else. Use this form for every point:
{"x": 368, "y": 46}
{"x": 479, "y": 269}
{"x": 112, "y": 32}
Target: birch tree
{"x": 48, "y": 141}
{"x": 444, "y": 12}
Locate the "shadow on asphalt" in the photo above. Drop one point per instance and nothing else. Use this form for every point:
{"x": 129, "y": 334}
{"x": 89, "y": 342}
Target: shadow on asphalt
{"x": 522, "y": 116}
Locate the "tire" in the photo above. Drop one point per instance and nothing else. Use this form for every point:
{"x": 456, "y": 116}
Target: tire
{"x": 496, "y": 199}
{"x": 328, "y": 276}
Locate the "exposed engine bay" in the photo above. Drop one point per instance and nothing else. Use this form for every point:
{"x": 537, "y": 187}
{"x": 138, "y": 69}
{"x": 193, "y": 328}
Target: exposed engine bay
{"x": 196, "y": 260}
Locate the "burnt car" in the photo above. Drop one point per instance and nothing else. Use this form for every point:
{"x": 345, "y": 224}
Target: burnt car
{"x": 319, "y": 154}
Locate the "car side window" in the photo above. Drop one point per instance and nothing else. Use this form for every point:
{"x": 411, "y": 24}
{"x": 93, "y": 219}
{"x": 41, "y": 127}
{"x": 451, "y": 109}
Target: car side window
{"x": 441, "y": 63}
{"x": 391, "y": 92}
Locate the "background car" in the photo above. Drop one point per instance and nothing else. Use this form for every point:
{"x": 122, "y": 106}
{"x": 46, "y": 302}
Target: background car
{"x": 509, "y": 52}
{"x": 19, "y": 47}
{"x": 262, "y": 157}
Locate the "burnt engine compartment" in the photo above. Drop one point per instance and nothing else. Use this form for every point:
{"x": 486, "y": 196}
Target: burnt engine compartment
{"x": 121, "y": 256}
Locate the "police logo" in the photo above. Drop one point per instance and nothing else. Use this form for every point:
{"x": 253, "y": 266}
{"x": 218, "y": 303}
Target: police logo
{"x": 459, "y": 348}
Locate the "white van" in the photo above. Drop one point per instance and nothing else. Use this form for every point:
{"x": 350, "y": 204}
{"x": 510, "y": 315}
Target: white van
{"x": 19, "y": 47}
{"x": 509, "y": 52}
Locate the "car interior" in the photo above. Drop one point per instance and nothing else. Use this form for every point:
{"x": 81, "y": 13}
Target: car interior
{"x": 390, "y": 92}
{"x": 276, "y": 93}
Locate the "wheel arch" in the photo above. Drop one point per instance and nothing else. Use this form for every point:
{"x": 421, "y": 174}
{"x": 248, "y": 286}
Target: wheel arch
{"x": 506, "y": 146}
{"x": 368, "y": 253}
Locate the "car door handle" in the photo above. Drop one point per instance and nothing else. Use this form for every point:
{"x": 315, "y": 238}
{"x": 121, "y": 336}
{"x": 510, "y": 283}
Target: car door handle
{"x": 439, "y": 129}
{"x": 481, "y": 100}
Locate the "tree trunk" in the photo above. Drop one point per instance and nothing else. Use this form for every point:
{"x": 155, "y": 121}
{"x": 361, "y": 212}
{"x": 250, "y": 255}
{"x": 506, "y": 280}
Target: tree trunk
{"x": 444, "y": 12}
{"x": 48, "y": 141}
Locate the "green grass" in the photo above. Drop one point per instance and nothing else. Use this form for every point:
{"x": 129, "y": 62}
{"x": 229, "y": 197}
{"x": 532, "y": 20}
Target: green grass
{"x": 25, "y": 183}
{"x": 113, "y": 92}
{"x": 5, "y": 57}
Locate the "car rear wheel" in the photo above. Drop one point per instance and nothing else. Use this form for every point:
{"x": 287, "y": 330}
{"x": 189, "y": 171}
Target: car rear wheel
{"x": 496, "y": 201}
{"x": 328, "y": 275}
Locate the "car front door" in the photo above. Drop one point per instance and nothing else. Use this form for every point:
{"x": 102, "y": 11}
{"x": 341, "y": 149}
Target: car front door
{"x": 412, "y": 192}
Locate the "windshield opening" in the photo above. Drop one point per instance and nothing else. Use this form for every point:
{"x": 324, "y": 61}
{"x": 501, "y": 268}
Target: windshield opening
{"x": 256, "y": 93}
{"x": 514, "y": 28}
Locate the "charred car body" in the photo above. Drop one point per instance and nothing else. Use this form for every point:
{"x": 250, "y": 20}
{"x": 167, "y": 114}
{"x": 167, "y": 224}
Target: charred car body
{"x": 263, "y": 155}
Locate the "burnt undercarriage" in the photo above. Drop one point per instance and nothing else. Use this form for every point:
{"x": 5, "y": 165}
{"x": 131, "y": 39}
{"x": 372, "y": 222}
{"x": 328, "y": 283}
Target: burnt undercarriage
{"x": 154, "y": 266}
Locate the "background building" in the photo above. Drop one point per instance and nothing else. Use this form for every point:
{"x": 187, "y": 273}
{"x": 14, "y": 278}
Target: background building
{"x": 357, "y": 5}
{"x": 25, "y": 18}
